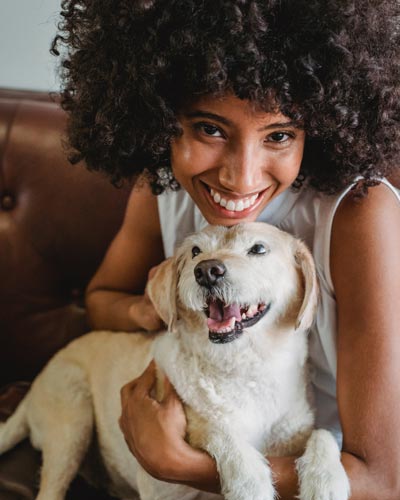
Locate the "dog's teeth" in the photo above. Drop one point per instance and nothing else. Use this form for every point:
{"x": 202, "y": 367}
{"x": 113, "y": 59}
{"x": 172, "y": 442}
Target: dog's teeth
{"x": 252, "y": 310}
{"x": 232, "y": 322}
{"x": 225, "y": 330}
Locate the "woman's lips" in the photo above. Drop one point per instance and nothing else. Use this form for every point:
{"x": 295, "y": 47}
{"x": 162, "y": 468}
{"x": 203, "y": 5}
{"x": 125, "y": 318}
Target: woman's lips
{"x": 233, "y": 207}
{"x": 237, "y": 205}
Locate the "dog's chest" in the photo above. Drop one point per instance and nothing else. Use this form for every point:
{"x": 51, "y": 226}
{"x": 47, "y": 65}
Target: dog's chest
{"x": 241, "y": 399}
{"x": 248, "y": 396}
{"x": 248, "y": 411}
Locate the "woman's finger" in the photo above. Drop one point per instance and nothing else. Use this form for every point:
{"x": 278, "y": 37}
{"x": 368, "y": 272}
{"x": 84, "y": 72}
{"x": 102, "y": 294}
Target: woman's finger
{"x": 173, "y": 404}
{"x": 142, "y": 385}
{"x": 170, "y": 393}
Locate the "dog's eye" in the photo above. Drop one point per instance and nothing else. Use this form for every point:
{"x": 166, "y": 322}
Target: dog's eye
{"x": 195, "y": 251}
{"x": 258, "y": 249}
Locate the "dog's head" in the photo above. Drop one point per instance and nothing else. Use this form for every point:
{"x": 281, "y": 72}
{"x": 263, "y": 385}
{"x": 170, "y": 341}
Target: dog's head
{"x": 229, "y": 280}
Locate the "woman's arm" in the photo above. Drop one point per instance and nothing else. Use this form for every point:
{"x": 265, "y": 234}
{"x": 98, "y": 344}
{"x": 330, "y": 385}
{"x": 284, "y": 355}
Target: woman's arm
{"x": 115, "y": 296}
{"x": 365, "y": 266}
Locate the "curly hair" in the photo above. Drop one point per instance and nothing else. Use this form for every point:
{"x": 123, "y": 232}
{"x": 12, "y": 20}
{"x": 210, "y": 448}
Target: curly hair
{"x": 129, "y": 65}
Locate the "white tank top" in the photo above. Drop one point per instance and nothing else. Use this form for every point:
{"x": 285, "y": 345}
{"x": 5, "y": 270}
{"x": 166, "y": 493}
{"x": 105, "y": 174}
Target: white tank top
{"x": 307, "y": 215}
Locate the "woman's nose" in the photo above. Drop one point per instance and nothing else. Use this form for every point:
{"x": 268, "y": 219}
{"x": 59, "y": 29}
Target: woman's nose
{"x": 243, "y": 169}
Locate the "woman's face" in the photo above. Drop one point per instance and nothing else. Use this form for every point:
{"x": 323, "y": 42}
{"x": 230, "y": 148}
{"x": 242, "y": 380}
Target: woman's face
{"x": 233, "y": 160}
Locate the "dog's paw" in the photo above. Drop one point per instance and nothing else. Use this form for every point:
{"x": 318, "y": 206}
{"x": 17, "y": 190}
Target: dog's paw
{"x": 321, "y": 473}
{"x": 255, "y": 483}
{"x": 249, "y": 491}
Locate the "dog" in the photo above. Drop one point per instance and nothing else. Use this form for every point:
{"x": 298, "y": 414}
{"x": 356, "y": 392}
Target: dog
{"x": 238, "y": 303}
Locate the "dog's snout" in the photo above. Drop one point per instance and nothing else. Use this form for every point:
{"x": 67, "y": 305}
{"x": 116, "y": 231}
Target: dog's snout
{"x": 209, "y": 272}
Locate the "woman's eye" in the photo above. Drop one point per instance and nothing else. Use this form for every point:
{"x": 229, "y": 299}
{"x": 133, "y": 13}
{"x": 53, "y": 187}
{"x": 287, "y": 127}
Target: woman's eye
{"x": 257, "y": 249}
{"x": 279, "y": 137}
{"x": 209, "y": 129}
{"x": 195, "y": 252}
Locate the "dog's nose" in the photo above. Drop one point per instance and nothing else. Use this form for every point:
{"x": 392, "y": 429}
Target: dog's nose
{"x": 209, "y": 272}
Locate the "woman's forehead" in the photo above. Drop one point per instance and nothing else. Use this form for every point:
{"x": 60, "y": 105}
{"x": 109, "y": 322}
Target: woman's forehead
{"x": 228, "y": 106}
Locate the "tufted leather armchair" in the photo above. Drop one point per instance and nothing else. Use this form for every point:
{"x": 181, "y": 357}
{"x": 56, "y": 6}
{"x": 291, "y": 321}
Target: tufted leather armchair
{"x": 56, "y": 221}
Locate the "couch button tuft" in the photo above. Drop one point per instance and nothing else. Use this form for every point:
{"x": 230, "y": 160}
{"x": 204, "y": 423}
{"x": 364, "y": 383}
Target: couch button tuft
{"x": 7, "y": 202}
{"x": 77, "y": 297}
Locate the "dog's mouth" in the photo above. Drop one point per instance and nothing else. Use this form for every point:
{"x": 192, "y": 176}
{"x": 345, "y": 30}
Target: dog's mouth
{"x": 226, "y": 322}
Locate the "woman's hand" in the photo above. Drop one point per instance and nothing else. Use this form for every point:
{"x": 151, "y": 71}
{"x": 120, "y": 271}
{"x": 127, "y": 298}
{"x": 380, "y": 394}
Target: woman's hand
{"x": 143, "y": 312}
{"x": 154, "y": 431}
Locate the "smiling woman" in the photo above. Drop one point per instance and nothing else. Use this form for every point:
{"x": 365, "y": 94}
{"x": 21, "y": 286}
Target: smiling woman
{"x": 233, "y": 159}
{"x": 159, "y": 57}
{"x": 282, "y": 111}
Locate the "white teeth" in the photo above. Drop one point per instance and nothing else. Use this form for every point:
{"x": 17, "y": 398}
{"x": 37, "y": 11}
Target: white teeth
{"x": 232, "y": 323}
{"x": 232, "y": 205}
{"x": 251, "y": 311}
{"x": 239, "y": 206}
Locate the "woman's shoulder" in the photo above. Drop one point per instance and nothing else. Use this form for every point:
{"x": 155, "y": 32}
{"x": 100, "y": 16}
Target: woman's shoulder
{"x": 312, "y": 212}
{"x": 368, "y": 217}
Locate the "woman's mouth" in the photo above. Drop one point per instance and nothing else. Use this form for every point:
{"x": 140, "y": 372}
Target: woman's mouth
{"x": 232, "y": 207}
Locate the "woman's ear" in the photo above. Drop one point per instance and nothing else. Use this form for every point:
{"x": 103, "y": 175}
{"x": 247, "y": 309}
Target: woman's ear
{"x": 162, "y": 290}
{"x": 309, "y": 304}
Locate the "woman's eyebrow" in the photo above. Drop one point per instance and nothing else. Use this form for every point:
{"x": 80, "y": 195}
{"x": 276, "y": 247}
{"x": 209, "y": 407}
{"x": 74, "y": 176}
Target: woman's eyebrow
{"x": 210, "y": 116}
{"x": 225, "y": 121}
{"x": 280, "y": 125}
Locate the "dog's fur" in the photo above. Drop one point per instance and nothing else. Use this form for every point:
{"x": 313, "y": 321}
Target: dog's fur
{"x": 244, "y": 399}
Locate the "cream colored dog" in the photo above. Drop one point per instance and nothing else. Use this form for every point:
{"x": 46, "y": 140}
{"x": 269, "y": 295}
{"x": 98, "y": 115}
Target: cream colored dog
{"x": 238, "y": 302}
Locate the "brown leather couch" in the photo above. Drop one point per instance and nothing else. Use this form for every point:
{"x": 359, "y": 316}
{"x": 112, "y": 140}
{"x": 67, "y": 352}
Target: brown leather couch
{"x": 56, "y": 221}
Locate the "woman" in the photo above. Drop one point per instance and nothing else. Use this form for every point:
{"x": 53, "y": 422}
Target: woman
{"x": 281, "y": 111}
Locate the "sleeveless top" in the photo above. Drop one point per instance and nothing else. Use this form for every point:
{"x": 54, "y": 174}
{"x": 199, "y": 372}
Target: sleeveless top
{"x": 308, "y": 215}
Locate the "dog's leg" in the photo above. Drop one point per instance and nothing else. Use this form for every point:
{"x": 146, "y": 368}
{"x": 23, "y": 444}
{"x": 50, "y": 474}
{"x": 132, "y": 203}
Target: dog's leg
{"x": 60, "y": 416}
{"x": 15, "y": 429}
{"x": 321, "y": 474}
{"x": 62, "y": 453}
{"x": 244, "y": 472}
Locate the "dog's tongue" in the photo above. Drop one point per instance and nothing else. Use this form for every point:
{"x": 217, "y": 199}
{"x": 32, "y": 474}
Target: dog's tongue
{"x": 222, "y": 316}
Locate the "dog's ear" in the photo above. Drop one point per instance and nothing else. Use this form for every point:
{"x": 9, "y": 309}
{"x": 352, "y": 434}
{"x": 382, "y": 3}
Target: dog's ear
{"x": 308, "y": 307}
{"x": 162, "y": 290}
